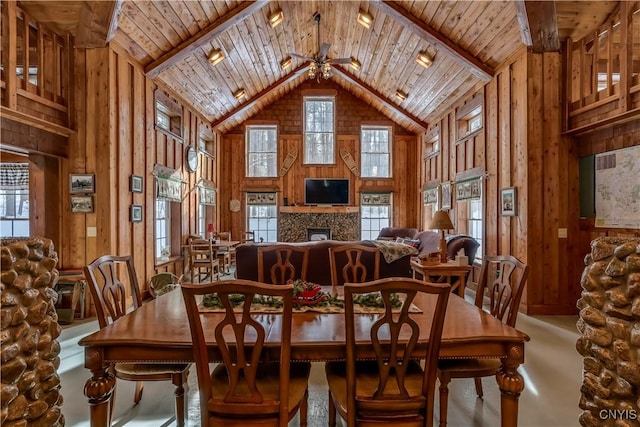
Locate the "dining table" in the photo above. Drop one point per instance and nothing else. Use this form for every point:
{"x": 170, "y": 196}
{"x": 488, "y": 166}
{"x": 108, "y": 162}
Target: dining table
{"x": 158, "y": 332}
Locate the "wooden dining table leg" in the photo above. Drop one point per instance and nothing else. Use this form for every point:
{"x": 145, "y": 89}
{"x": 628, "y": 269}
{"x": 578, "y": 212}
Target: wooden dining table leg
{"x": 99, "y": 388}
{"x": 511, "y": 384}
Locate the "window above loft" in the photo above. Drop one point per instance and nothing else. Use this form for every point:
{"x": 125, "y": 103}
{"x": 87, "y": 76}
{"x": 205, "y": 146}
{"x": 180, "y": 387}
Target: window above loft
{"x": 375, "y": 151}
{"x": 469, "y": 118}
{"x": 431, "y": 144}
{"x": 168, "y": 114}
{"x": 262, "y": 151}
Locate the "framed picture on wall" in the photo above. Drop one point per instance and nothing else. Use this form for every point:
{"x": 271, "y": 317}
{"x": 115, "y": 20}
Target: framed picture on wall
{"x": 136, "y": 184}
{"x": 445, "y": 189}
{"x": 81, "y": 204}
{"x": 509, "y": 201}
{"x": 135, "y": 213}
{"x": 82, "y": 183}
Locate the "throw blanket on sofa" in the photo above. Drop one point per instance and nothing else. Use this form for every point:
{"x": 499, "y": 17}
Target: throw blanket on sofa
{"x": 392, "y": 251}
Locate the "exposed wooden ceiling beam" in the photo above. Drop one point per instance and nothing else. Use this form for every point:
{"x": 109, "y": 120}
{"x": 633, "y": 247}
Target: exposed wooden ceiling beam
{"x": 379, "y": 97}
{"x": 261, "y": 95}
{"x": 97, "y": 24}
{"x": 538, "y": 25}
{"x": 422, "y": 30}
{"x": 221, "y": 25}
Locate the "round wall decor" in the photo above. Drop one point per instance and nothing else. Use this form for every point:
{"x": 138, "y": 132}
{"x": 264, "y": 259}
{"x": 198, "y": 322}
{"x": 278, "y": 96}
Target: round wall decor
{"x": 234, "y": 205}
{"x": 191, "y": 158}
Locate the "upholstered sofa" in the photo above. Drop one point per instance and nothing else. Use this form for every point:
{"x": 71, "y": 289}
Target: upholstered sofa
{"x": 429, "y": 241}
{"x": 318, "y": 270}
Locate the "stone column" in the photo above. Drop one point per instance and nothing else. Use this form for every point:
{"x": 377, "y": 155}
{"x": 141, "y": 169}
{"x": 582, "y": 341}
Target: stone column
{"x": 30, "y": 392}
{"x": 609, "y": 325}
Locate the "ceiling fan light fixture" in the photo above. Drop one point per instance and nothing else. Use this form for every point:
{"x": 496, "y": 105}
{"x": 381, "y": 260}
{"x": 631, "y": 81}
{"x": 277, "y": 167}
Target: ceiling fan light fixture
{"x": 285, "y": 63}
{"x": 326, "y": 70}
{"x": 401, "y": 95}
{"x": 240, "y": 93}
{"x": 355, "y": 64}
{"x": 215, "y": 56}
{"x": 313, "y": 70}
{"x": 365, "y": 18}
{"x": 424, "y": 59}
{"x": 276, "y": 18}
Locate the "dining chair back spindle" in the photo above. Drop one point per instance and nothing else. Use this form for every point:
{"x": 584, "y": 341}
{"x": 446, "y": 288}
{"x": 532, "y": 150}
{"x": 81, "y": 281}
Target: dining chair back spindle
{"x": 110, "y": 288}
{"x": 502, "y": 280}
{"x": 203, "y": 261}
{"x": 246, "y": 389}
{"x": 348, "y": 266}
{"x": 394, "y": 389}
{"x": 278, "y": 264}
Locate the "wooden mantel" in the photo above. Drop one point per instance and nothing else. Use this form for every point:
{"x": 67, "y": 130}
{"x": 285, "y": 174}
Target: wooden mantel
{"x": 319, "y": 209}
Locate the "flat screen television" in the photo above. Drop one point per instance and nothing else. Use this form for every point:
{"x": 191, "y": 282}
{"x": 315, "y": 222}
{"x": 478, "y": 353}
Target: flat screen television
{"x": 330, "y": 191}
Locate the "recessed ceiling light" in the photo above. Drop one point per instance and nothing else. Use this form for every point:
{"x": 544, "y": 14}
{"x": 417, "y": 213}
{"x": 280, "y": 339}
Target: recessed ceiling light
{"x": 365, "y": 18}
{"x": 216, "y": 56}
{"x": 401, "y": 95}
{"x": 424, "y": 59}
{"x": 240, "y": 93}
{"x": 285, "y": 63}
{"x": 355, "y": 64}
{"x": 276, "y": 18}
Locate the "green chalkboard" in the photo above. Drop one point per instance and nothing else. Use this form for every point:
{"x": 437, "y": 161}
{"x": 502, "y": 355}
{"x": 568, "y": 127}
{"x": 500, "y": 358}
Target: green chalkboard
{"x": 587, "y": 171}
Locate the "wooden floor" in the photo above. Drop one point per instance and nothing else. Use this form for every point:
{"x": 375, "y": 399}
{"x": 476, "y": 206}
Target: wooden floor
{"x": 552, "y": 373}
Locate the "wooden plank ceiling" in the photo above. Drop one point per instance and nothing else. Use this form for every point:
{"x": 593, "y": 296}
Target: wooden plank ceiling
{"x": 172, "y": 40}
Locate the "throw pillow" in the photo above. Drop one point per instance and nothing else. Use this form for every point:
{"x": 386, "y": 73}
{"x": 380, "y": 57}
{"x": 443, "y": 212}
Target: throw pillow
{"x": 410, "y": 242}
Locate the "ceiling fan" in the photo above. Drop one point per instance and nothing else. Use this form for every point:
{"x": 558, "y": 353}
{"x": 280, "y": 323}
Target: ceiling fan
{"x": 320, "y": 65}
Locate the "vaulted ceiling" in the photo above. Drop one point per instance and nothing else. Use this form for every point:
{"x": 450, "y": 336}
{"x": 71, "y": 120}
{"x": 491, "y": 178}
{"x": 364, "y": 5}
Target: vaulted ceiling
{"x": 466, "y": 39}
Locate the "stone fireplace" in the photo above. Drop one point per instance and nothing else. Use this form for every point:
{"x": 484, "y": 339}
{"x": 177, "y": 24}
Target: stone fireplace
{"x": 304, "y": 223}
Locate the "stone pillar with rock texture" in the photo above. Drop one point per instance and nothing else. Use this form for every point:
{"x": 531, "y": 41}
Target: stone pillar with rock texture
{"x": 609, "y": 325}
{"x": 30, "y": 394}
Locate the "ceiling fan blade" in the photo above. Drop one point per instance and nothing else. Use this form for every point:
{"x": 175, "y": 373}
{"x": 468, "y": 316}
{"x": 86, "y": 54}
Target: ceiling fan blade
{"x": 322, "y": 52}
{"x": 340, "y": 61}
{"x": 306, "y": 58}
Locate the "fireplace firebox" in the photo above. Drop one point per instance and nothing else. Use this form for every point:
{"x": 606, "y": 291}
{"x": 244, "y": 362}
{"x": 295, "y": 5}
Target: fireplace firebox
{"x": 318, "y": 234}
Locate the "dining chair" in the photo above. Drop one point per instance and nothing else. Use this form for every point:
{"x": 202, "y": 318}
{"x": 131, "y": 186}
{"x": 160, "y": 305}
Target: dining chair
{"x": 393, "y": 389}
{"x": 283, "y": 262}
{"x": 203, "y": 261}
{"x": 110, "y": 296}
{"x": 249, "y": 236}
{"x": 224, "y": 254}
{"x": 502, "y": 280}
{"x": 246, "y": 389}
{"x": 347, "y": 264}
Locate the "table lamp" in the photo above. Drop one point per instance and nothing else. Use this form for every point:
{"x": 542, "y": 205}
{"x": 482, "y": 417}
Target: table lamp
{"x": 441, "y": 221}
{"x": 211, "y": 229}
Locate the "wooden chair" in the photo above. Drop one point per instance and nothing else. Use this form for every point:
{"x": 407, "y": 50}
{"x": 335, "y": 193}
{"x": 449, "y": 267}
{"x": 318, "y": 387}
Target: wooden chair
{"x": 249, "y": 236}
{"x": 110, "y": 295}
{"x": 245, "y": 390}
{"x": 347, "y": 266}
{"x": 225, "y": 255}
{"x": 203, "y": 262}
{"x": 287, "y": 262}
{"x": 503, "y": 279}
{"x": 393, "y": 389}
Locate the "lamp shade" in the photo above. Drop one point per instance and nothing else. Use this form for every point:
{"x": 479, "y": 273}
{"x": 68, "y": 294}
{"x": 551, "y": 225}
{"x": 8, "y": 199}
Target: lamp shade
{"x": 211, "y": 228}
{"x": 441, "y": 221}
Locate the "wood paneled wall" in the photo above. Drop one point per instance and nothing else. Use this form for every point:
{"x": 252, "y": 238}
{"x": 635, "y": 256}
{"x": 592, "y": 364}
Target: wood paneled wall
{"x": 521, "y": 145}
{"x": 351, "y": 113}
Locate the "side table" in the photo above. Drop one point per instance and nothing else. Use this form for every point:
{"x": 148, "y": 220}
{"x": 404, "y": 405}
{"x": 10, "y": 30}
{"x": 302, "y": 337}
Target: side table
{"x": 70, "y": 282}
{"x": 452, "y": 273}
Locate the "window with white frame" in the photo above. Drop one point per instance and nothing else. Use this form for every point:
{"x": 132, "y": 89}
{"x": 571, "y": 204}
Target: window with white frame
{"x": 375, "y": 214}
{"x": 163, "y": 228}
{"x": 375, "y": 151}
{"x": 476, "y": 224}
{"x": 14, "y": 199}
{"x": 262, "y": 151}
{"x": 202, "y": 218}
{"x": 319, "y": 123}
{"x": 262, "y": 216}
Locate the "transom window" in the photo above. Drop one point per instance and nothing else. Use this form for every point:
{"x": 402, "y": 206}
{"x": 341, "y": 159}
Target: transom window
{"x": 375, "y": 151}
{"x": 319, "y": 125}
{"x": 262, "y": 151}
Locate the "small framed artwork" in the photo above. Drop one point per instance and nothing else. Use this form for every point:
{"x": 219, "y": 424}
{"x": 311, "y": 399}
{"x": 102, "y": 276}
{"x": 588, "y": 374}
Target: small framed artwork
{"x": 136, "y": 213}
{"x": 509, "y": 201}
{"x": 445, "y": 189}
{"x": 136, "y": 184}
{"x": 84, "y": 183}
{"x": 82, "y": 204}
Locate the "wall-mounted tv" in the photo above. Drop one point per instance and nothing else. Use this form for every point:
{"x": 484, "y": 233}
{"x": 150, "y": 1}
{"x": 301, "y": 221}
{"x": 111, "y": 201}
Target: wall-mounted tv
{"x": 330, "y": 191}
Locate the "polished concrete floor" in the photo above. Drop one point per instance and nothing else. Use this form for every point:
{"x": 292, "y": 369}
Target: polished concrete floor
{"x": 552, "y": 373}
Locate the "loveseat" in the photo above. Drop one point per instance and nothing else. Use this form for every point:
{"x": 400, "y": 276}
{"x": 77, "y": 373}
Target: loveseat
{"x": 429, "y": 241}
{"x": 318, "y": 270}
